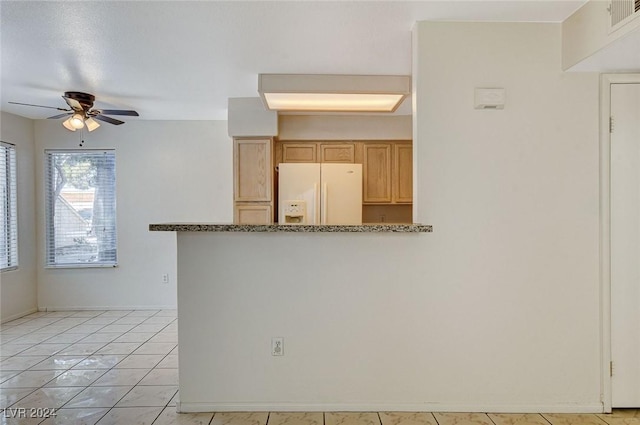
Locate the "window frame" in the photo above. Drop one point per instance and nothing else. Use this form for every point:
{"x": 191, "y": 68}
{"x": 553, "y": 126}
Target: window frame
{"x": 11, "y": 178}
{"x": 49, "y": 224}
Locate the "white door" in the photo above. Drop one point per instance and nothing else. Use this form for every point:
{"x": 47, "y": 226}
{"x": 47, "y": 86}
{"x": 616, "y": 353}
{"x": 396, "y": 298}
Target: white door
{"x": 341, "y": 193}
{"x": 299, "y": 182}
{"x": 625, "y": 245}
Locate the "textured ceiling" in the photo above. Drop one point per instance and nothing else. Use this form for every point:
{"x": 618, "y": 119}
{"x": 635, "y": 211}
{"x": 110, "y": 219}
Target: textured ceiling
{"x": 182, "y": 60}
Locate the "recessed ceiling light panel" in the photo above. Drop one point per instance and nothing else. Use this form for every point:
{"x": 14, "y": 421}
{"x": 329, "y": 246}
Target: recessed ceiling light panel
{"x": 339, "y": 102}
{"x": 333, "y": 93}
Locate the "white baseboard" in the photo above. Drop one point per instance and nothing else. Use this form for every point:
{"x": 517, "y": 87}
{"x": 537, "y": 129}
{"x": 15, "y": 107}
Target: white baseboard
{"x": 18, "y": 315}
{"x": 185, "y": 407}
{"x": 106, "y": 307}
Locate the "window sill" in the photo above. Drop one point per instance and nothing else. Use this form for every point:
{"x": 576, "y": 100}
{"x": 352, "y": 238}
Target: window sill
{"x": 9, "y": 269}
{"x": 81, "y": 266}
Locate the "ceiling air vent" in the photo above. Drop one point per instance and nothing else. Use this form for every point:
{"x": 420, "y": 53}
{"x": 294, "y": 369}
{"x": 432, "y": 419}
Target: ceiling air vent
{"x": 622, "y": 11}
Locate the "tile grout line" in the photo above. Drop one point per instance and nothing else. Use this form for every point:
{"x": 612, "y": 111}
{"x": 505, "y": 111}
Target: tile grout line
{"x": 546, "y": 419}
{"x": 490, "y": 419}
{"x": 212, "y": 416}
{"x": 159, "y": 414}
{"x": 435, "y": 418}
{"x": 603, "y": 420}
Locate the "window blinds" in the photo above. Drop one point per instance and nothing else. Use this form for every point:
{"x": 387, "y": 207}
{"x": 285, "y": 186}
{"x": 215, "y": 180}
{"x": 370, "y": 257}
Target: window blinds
{"x": 81, "y": 208}
{"x": 8, "y": 213}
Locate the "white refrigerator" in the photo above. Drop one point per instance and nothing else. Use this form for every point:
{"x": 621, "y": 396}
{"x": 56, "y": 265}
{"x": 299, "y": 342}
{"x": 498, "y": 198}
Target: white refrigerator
{"x": 319, "y": 193}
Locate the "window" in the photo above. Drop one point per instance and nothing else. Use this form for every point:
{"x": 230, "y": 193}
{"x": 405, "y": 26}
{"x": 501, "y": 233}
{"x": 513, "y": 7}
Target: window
{"x": 9, "y": 214}
{"x": 81, "y": 208}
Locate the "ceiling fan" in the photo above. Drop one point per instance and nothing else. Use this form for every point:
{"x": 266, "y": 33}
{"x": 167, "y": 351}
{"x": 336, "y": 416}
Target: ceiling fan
{"x": 81, "y": 112}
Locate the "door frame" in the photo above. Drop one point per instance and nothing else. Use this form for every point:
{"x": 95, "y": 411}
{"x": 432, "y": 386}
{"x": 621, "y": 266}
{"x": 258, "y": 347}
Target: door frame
{"x": 606, "y": 80}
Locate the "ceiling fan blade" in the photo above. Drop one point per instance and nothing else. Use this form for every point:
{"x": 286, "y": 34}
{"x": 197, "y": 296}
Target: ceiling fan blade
{"x": 108, "y": 119}
{"x": 55, "y": 117}
{"x": 118, "y": 112}
{"x": 74, "y": 104}
{"x": 39, "y": 106}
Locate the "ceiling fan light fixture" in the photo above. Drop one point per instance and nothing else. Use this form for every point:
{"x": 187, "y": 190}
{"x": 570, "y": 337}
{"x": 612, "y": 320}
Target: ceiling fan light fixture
{"x": 67, "y": 124}
{"x": 76, "y": 121}
{"x": 82, "y": 112}
{"x": 91, "y": 124}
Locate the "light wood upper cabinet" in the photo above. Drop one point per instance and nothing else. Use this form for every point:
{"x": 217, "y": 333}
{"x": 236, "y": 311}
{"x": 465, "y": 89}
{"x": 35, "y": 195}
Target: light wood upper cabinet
{"x": 253, "y": 175}
{"x": 403, "y": 173}
{"x": 253, "y": 214}
{"x": 387, "y": 166}
{"x": 337, "y": 153}
{"x": 299, "y": 152}
{"x": 377, "y": 173}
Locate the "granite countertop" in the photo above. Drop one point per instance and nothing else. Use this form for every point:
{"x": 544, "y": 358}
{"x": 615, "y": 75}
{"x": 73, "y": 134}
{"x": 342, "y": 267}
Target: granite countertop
{"x": 302, "y": 228}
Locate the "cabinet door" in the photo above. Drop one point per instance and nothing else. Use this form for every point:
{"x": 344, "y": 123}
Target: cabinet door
{"x": 299, "y": 152}
{"x": 337, "y": 153}
{"x": 252, "y": 214}
{"x": 377, "y": 173}
{"x": 403, "y": 173}
{"x": 252, "y": 170}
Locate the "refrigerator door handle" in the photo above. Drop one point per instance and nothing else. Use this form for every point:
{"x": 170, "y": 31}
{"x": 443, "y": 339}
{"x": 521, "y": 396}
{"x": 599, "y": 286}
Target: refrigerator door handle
{"x": 325, "y": 203}
{"x": 316, "y": 204}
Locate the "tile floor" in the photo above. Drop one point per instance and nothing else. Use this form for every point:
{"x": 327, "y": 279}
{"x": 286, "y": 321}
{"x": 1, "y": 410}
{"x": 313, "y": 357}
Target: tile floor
{"x": 121, "y": 367}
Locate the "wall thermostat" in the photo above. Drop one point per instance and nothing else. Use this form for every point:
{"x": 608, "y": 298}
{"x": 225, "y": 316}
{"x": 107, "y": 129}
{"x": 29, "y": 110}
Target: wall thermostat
{"x": 489, "y": 98}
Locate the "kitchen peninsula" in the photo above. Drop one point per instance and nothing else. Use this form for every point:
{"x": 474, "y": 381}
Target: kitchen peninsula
{"x": 327, "y": 291}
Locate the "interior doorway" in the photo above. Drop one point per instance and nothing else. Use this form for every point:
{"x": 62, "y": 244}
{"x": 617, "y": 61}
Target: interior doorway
{"x": 624, "y": 145}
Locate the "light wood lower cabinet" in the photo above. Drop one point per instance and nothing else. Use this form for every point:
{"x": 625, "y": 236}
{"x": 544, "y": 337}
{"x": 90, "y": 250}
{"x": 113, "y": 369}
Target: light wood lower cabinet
{"x": 253, "y": 214}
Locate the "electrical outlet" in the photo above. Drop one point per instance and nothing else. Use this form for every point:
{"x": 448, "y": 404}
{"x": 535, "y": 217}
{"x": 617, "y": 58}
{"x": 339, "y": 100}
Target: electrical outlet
{"x": 165, "y": 278}
{"x": 277, "y": 346}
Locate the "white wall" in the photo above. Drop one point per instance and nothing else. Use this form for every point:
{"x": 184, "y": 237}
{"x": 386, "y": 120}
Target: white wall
{"x": 247, "y": 116}
{"x": 496, "y": 310}
{"x": 18, "y": 287}
{"x": 166, "y": 171}
{"x": 513, "y": 198}
{"x": 348, "y": 127}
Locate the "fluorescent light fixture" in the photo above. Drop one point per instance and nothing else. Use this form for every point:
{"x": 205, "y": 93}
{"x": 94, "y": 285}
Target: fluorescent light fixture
{"x": 91, "y": 124}
{"x": 333, "y": 93}
{"x": 339, "y": 102}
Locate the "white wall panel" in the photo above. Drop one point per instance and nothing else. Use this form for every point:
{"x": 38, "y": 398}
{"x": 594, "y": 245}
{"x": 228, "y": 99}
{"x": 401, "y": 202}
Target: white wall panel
{"x": 166, "y": 171}
{"x": 18, "y": 287}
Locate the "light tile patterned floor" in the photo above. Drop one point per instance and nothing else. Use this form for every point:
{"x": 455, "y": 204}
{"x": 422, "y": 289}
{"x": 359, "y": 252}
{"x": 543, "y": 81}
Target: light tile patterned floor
{"x": 105, "y": 367}
{"x": 121, "y": 367}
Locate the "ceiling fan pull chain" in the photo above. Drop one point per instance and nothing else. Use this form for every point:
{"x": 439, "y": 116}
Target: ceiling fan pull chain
{"x": 81, "y": 137}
